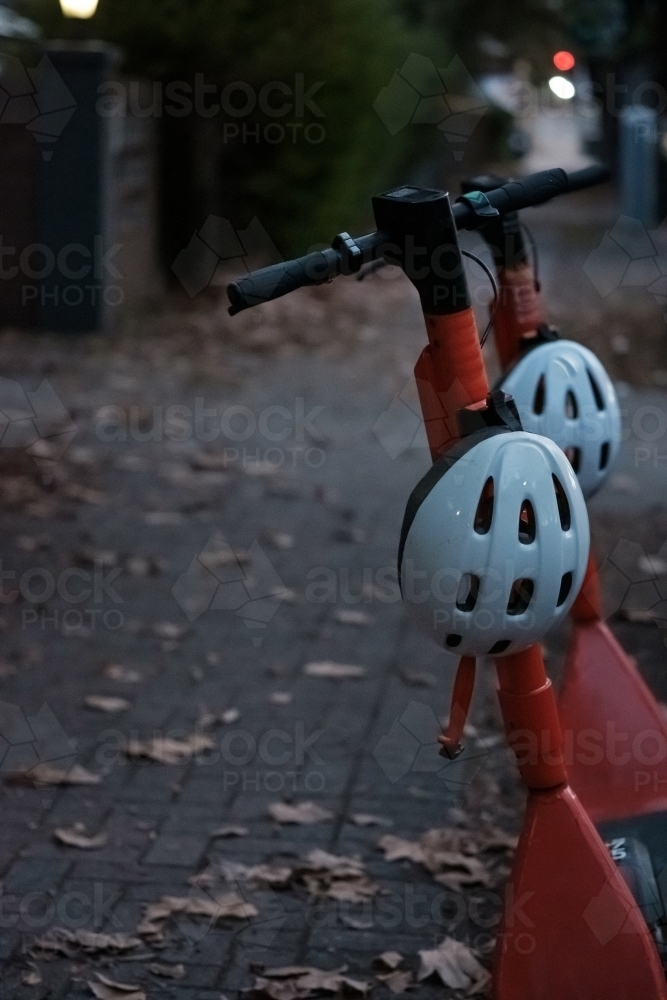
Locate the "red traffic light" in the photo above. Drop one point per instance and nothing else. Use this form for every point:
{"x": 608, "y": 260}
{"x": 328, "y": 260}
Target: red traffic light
{"x": 564, "y": 61}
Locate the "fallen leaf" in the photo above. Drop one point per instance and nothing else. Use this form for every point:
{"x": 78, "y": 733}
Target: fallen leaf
{"x": 32, "y": 543}
{"x": 230, "y": 830}
{"x": 230, "y": 716}
{"x": 397, "y": 981}
{"x": 284, "y": 594}
{"x": 638, "y": 616}
{"x": 76, "y": 837}
{"x": 277, "y": 876}
{"x": 280, "y": 697}
{"x": 334, "y": 671}
{"x": 279, "y": 540}
{"x": 51, "y": 774}
{"x": 145, "y": 566}
{"x": 390, "y": 959}
{"x": 84, "y": 494}
{"x": 103, "y": 992}
{"x": 368, "y": 819}
{"x": 123, "y": 987}
{"x": 304, "y": 813}
{"x": 106, "y": 703}
{"x": 292, "y": 982}
{"x": 170, "y": 630}
{"x": 165, "y": 750}
{"x": 122, "y": 674}
{"x": 336, "y": 877}
{"x": 224, "y": 556}
{"x": 353, "y": 616}
{"x": 65, "y": 942}
{"x": 397, "y": 849}
{"x": 31, "y": 978}
{"x": 655, "y": 565}
{"x": 167, "y": 971}
{"x": 455, "y": 964}
{"x": 226, "y": 905}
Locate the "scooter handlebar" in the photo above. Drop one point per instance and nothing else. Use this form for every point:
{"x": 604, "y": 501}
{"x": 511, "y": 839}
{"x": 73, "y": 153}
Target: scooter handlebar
{"x": 470, "y": 212}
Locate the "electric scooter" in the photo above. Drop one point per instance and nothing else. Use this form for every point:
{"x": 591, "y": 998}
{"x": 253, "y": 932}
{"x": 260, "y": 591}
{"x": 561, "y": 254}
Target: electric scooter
{"x": 601, "y": 683}
{"x": 580, "y": 933}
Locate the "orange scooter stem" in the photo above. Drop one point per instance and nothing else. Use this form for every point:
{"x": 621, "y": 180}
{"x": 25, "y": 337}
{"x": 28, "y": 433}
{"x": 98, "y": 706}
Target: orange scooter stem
{"x": 570, "y": 928}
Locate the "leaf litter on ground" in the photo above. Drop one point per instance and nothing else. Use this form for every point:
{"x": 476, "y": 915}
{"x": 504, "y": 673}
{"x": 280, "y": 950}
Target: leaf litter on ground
{"x": 167, "y": 750}
{"x": 76, "y": 836}
{"x": 451, "y": 854}
{"x": 456, "y": 965}
{"x": 109, "y": 989}
{"x": 302, "y": 813}
{"x": 334, "y": 671}
{"x": 298, "y": 982}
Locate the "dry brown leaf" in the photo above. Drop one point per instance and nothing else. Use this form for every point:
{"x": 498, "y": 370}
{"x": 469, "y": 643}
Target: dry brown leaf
{"x": 336, "y": 877}
{"x": 398, "y": 848}
{"x": 31, "y": 978}
{"x": 300, "y": 982}
{"x": 279, "y": 540}
{"x": 106, "y": 703}
{"x": 353, "y": 616}
{"x": 455, "y": 964}
{"x": 333, "y": 671}
{"x": 165, "y": 750}
{"x": 170, "y": 631}
{"x": 368, "y": 819}
{"x": 230, "y": 830}
{"x": 217, "y": 907}
{"x": 637, "y": 616}
{"x": 167, "y": 971}
{"x": 123, "y": 987}
{"x": 62, "y": 941}
{"x": 277, "y": 876}
{"x": 104, "y": 992}
{"x": 51, "y": 774}
{"x": 304, "y": 813}
{"x": 122, "y": 674}
{"x": 390, "y": 959}
{"x": 230, "y": 716}
{"x": 280, "y": 697}
{"x": 397, "y": 981}
{"x": 77, "y": 837}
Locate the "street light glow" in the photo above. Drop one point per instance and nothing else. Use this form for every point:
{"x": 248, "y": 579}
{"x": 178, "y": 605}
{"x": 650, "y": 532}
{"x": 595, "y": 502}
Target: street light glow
{"x": 78, "y": 8}
{"x": 562, "y": 88}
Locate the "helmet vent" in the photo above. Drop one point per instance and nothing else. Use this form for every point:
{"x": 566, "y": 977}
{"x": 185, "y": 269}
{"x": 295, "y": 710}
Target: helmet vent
{"x": 571, "y": 408}
{"x": 453, "y": 640}
{"x": 604, "y": 455}
{"x": 527, "y": 526}
{"x": 484, "y": 512}
{"x": 563, "y": 505}
{"x": 520, "y": 596}
{"x": 540, "y": 397}
{"x": 573, "y": 455}
{"x": 468, "y": 592}
{"x": 599, "y": 398}
{"x": 499, "y": 647}
{"x": 565, "y": 588}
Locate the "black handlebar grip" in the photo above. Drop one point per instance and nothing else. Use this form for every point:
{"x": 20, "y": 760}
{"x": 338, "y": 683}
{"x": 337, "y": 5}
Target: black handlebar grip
{"x": 532, "y": 190}
{"x": 279, "y": 279}
{"x": 580, "y": 179}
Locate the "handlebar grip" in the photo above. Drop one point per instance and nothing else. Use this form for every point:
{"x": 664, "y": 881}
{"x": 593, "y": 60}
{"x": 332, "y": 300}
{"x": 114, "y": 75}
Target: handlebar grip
{"x": 532, "y": 190}
{"x": 580, "y": 179}
{"x": 279, "y": 279}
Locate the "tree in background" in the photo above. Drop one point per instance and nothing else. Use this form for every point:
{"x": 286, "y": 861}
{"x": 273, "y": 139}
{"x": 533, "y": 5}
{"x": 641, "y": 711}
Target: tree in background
{"x": 297, "y": 141}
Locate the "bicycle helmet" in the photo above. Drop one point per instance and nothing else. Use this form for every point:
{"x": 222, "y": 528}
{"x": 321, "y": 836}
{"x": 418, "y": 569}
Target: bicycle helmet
{"x": 562, "y": 391}
{"x": 494, "y": 543}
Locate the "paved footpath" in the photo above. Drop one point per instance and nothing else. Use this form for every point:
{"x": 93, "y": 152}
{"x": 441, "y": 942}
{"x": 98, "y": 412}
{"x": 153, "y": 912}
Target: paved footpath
{"x": 192, "y": 564}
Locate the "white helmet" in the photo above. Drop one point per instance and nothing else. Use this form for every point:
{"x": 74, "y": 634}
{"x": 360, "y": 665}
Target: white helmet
{"x": 562, "y": 391}
{"x": 494, "y": 543}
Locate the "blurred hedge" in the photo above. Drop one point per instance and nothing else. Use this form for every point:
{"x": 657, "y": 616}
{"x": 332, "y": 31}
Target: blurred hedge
{"x": 302, "y": 192}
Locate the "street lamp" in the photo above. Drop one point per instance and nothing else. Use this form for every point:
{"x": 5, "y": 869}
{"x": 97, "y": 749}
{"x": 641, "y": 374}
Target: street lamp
{"x": 78, "y": 8}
